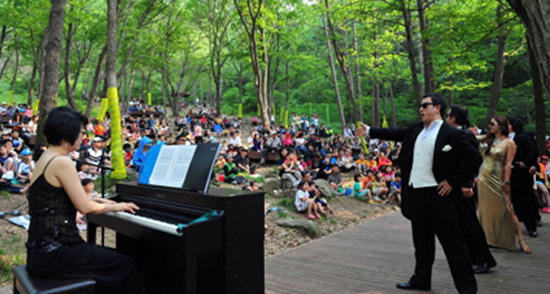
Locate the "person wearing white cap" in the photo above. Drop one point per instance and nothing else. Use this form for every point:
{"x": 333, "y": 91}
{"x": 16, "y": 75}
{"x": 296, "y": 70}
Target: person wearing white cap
{"x": 95, "y": 154}
{"x": 25, "y": 167}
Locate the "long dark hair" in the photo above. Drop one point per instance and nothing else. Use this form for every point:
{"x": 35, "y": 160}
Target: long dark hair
{"x": 490, "y": 137}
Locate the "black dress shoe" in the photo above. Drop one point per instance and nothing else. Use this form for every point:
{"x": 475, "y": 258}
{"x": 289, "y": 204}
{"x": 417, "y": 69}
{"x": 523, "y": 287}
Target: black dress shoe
{"x": 539, "y": 223}
{"x": 409, "y": 286}
{"x": 482, "y": 268}
{"x": 533, "y": 234}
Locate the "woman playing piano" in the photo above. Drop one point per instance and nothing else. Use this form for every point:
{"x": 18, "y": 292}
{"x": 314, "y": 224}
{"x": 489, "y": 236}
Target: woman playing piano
{"x": 55, "y": 248}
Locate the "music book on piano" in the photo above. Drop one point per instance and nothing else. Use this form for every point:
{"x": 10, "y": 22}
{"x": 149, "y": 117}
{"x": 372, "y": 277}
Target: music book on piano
{"x": 188, "y": 167}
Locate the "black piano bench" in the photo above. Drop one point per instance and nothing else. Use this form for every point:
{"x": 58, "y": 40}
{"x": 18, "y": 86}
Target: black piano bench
{"x": 24, "y": 283}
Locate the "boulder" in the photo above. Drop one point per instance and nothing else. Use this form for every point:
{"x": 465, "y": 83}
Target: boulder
{"x": 270, "y": 185}
{"x": 306, "y": 226}
{"x": 323, "y": 187}
{"x": 286, "y": 184}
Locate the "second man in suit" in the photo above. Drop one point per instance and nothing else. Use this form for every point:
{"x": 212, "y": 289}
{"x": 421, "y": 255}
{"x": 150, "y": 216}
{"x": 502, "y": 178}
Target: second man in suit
{"x": 436, "y": 160}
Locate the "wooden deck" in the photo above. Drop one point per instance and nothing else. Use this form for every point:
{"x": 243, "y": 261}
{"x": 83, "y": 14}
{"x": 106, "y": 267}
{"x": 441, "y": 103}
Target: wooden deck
{"x": 372, "y": 257}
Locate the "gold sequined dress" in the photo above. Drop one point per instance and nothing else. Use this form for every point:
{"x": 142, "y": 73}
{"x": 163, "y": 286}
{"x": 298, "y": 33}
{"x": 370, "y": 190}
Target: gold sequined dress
{"x": 495, "y": 219}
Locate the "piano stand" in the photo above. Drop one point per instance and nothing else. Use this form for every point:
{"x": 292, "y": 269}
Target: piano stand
{"x": 224, "y": 254}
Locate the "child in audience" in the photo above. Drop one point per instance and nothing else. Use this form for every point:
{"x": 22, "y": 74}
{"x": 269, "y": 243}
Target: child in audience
{"x": 358, "y": 190}
{"x": 316, "y": 196}
{"x": 252, "y": 186}
{"x": 379, "y": 188}
{"x": 395, "y": 189}
{"x": 89, "y": 188}
{"x": 303, "y": 203}
{"x": 25, "y": 167}
{"x": 371, "y": 163}
{"x": 361, "y": 164}
{"x": 388, "y": 175}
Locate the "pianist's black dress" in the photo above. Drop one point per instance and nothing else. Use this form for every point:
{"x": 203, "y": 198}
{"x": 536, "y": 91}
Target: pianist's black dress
{"x": 55, "y": 248}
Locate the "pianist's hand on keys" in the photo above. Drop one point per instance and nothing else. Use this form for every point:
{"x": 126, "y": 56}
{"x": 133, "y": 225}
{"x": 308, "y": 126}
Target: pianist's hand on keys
{"x": 111, "y": 206}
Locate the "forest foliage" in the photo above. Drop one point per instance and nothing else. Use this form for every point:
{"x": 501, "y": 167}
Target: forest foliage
{"x": 181, "y": 50}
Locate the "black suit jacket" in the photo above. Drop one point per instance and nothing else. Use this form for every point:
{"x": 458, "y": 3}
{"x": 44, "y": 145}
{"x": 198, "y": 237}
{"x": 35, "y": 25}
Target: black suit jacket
{"x": 457, "y": 164}
{"x": 526, "y": 151}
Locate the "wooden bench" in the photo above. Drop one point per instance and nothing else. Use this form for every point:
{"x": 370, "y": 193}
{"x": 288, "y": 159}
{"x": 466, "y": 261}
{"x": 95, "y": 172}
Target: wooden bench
{"x": 5, "y": 119}
{"x": 272, "y": 156}
{"x": 24, "y": 283}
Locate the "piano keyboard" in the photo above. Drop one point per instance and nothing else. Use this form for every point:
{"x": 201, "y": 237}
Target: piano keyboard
{"x": 147, "y": 222}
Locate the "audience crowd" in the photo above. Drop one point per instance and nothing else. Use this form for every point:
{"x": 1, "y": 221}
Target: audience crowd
{"x": 304, "y": 153}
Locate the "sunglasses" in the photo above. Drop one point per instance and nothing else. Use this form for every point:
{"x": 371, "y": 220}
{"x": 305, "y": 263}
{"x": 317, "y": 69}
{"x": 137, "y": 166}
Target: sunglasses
{"x": 492, "y": 124}
{"x": 425, "y": 105}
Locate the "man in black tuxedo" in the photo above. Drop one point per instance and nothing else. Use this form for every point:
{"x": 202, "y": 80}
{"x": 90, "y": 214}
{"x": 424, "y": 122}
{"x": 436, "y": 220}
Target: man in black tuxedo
{"x": 480, "y": 255}
{"x": 436, "y": 160}
{"x": 522, "y": 195}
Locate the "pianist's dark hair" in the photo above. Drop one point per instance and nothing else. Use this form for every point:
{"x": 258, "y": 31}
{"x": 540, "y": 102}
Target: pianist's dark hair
{"x": 63, "y": 123}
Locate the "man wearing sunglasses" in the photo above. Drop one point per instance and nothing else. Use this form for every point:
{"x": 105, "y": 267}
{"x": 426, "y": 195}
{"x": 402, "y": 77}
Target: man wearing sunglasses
{"x": 436, "y": 160}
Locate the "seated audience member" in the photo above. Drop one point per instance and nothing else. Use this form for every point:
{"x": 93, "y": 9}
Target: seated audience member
{"x": 362, "y": 164}
{"x": 358, "y": 190}
{"x": 325, "y": 168}
{"x": 17, "y": 141}
{"x": 6, "y": 159}
{"x": 257, "y": 142}
{"x": 395, "y": 189}
{"x": 388, "y": 174}
{"x": 25, "y": 167}
{"x": 290, "y": 168}
{"x": 379, "y": 187}
{"x": 235, "y": 139}
{"x": 252, "y": 186}
{"x": 221, "y": 161}
{"x": 89, "y": 188}
{"x": 336, "y": 181}
{"x": 371, "y": 163}
{"x": 304, "y": 203}
{"x": 383, "y": 160}
{"x": 243, "y": 162}
{"x": 96, "y": 155}
{"x": 347, "y": 163}
{"x": 541, "y": 183}
{"x": 274, "y": 143}
{"x": 85, "y": 172}
{"x": 230, "y": 171}
{"x": 288, "y": 140}
{"x": 315, "y": 194}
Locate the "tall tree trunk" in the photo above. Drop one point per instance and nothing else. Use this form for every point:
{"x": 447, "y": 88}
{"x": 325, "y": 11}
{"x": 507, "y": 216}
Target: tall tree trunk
{"x": 417, "y": 88}
{"x": 540, "y": 115}
{"x": 252, "y": 20}
{"x": 499, "y": 67}
{"x": 117, "y": 155}
{"x": 392, "y": 101}
{"x": 30, "y": 86}
{"x": 130, "y": 85}
{"x": 15, "y": 69}
{"x": 3, "y": 36}
{"x": 535, "y": 15}
{"x": 429, "y": 86}
{"x": 4, "y": 66}
{"x": 68, "y": 44}
{"x": 334, "y": 77}
{"x": 341, "y": 58}
{"x": 375, "y": 104}
{"x": 53, "y": 38}
{"x": 357, "y": 72}
{"x": 95, "y": 83}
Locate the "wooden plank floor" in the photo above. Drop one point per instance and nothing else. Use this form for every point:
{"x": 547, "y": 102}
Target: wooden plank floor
{"x": 373, "y": 257}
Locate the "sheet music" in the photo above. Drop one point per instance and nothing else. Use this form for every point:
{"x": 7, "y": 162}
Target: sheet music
{"x": 172, "y": 165}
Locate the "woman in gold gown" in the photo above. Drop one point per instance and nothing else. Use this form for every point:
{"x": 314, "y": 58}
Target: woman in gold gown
{"x": 496, "y": 213}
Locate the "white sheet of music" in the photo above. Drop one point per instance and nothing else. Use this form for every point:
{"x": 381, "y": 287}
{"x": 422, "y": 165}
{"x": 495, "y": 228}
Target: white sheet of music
{"x": 172, "y": 165}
